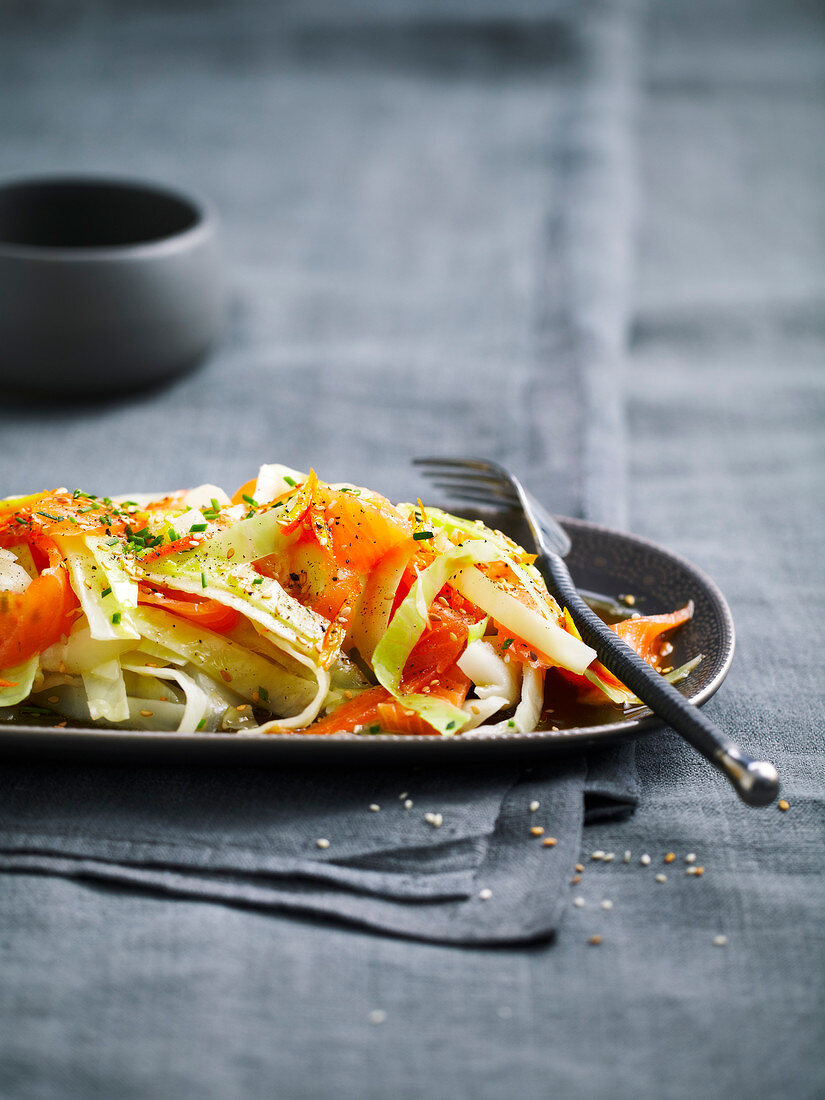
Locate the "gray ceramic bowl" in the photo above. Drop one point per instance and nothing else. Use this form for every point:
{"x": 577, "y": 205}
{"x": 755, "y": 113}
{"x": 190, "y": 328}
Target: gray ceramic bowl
{"x": 105, "y": 285}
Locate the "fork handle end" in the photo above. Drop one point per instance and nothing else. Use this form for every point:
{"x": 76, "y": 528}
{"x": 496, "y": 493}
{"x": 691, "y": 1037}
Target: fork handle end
{"x": 755, "y": 781}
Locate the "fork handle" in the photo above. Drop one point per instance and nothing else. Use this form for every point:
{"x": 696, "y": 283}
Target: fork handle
{"x": 755, "y": 781}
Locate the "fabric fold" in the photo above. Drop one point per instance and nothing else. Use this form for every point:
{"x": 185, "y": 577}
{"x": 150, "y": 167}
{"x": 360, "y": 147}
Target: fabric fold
{"x": 482, "y": 876}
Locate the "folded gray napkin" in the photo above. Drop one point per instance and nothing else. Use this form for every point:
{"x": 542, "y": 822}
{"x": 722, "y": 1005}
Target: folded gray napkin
{"x": 428, "y": 219}
{"x": 310, "y": 840}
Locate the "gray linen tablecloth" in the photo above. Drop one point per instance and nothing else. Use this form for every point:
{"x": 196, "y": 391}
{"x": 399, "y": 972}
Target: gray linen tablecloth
{"x": 114, "y": 991}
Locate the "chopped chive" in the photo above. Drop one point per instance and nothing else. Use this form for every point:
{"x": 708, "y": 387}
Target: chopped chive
{"x": 264, "y": 694}
{"x": 116, "y": 618}
{"x": 375, "y": 729}
{"x": 203, "y": 580}
{"x": 20, "y": 519}
{"x": 106, "y": 592}
{"x": 507, "y": 643}
{"x": 172, "y": 533}
{"x": 251, "y": 500}
{"x": 290, "y": 480}
{"x": 449, "y": 725}
{"x": 198, "y": 527}
{"x": 48, "y": 515}
{"x": 201, "y": 724}
{"x": 258, "y": 580}
{"x": 418, "y": 535}
{"x": 215, "y": 506}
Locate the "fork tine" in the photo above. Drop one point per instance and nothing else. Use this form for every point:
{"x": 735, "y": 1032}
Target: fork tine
{"x": 490, "y": 492}
{"x": 484, "y": 499}
{"x": 465, "y": 472}
{"x": 469, "y": 481}
{"x": 461, "y": 463}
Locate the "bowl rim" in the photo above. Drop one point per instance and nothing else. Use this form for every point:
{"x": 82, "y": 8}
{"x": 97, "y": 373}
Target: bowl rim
{"x": 204, "y": 224}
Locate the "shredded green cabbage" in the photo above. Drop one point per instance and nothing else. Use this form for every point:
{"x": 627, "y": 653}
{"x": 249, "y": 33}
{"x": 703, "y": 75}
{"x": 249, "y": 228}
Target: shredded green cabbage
{"x": 407, "y": 626}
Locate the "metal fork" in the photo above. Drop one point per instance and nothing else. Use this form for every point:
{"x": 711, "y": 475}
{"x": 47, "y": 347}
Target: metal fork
{"x": 485, "y": 483}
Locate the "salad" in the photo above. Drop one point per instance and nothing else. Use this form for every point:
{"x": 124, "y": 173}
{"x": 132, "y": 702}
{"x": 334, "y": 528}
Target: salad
{"x": 294, "y": 606}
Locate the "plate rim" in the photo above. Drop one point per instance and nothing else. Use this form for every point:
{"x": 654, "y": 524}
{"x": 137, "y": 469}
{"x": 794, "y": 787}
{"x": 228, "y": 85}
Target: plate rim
{"x": 17, "y": 736}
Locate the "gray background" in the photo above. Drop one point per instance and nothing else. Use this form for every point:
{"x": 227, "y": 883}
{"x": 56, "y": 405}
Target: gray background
{"x": 495, "y": 161}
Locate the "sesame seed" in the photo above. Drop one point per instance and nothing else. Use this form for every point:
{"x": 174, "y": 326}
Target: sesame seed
{"x": 720, "y": 941}
{"x": 670, "y": 857}
{"x": 537, "y": 830}
{"x": 408, "y": 804}
{"x": 695, "y": 871}
{"x": 322, "y": 842}
{"x": 690, "y": 857}
{"x": 485, "y": 894}
{"x": 226, "y": 676}
{"x": 146, "y": 714}
{"x": 645, "y": 860}
{"x": 575, "y": 880}
{"x": 54, "y": 698}
{"x": 403, "y": 795}
{"x": 377, "y": 1016}
{"x": 579, "y": 903}
{"x": 580, "y": 867}
{"x": 436, "y": 820}
{"x": 534, "y": 806}
{"x": 607, "y": 904}
{"x": 374, "y": 807}
{"x": 627, "y": 856}
{"x": 661, "y": 878}
{"x": 598, "y": 854}
{"x": 549, "y": 842}
{"x": 594, "y": 941}
{"x": 608, "y": 856}
{"x": 784, "y": 804}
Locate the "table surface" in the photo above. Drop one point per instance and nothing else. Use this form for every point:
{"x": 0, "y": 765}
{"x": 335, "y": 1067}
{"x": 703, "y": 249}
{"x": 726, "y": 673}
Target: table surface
{"x": 725, "y": 407}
